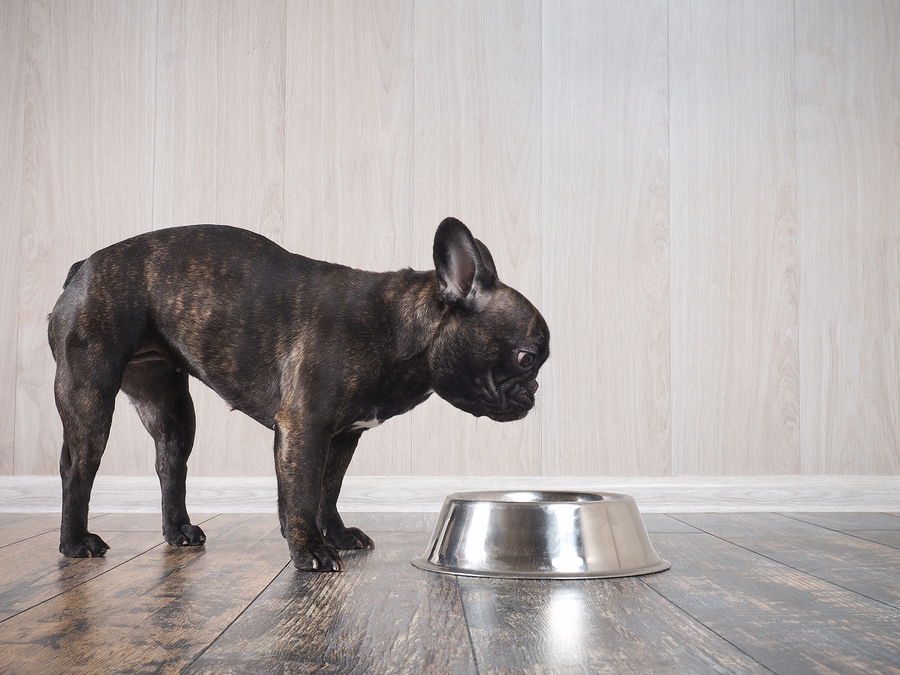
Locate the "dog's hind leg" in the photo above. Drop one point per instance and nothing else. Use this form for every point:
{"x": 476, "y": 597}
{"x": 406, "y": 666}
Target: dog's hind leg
{"x": 86, "y": 409}
{"x": 159, "y": 392}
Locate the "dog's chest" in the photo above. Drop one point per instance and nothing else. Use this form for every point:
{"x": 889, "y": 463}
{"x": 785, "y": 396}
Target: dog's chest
{"x": 378, "y": 414}
{"x": 370, "y": 423}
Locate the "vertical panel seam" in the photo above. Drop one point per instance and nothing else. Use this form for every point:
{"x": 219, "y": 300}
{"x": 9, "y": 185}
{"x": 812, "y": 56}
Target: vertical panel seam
{"x": 150, "y": 454}
{"x": 673, "y": 460}
{"x": 284, "y": 104}
{"x": 26, "y": 65}
{"x": 797, "y": 223}
{"x": 540, "y": 211}
{"x": 410, "y": 449}
{"x": 153, "y": 150}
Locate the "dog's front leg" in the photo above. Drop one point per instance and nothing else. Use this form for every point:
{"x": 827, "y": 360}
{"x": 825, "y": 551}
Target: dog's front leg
{"x": 301, "y": 452}
{"x": 336, "y": 533}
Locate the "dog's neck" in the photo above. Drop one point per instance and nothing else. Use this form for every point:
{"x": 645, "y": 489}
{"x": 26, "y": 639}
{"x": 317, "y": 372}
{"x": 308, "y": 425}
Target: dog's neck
{"x": 417, "y": 312}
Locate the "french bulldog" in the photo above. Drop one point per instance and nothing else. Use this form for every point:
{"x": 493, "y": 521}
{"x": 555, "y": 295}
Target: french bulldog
{"x": 316, "y": 351}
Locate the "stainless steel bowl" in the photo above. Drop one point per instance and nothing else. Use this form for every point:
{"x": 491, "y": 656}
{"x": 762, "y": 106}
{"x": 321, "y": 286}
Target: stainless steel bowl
{"x": 540, "y": 535}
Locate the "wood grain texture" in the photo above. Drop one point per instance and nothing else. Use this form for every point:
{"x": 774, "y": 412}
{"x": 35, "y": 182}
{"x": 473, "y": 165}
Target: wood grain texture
{"x": 220, "y": 158}
{"x": 220, "y": 115}
{"x": 16, "y": 527}
{"x": 349, "y": 155}
{"x": 699, "y": 196}
{"x": 477, "y": 157}
{"x": 616, "y": 626}
{"x": 831, "y": 556}
{"x": 24, "y": 587}
{"x": 87, "y": 182}
{"x": 882, "y": 528}
{"x": 381, "y": 615}
{"x": 662, "y": 522}
{"x": 153, "y": 613}
{"x": 349, "y": 112}
{"x": 606, "y": 239}
{"x": 848, "y": 131}
{"x": 851, "y": 521}
{"x": 885, "y": 537}
{"x": 735, "y": 276}
{"x": 12, "y": 120}
{"x": 235, "y": 606}
{"x": 785, "y": 619}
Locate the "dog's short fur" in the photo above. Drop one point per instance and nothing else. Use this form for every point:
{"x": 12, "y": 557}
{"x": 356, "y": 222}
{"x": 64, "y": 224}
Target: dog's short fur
{"x": 316, "y": 351}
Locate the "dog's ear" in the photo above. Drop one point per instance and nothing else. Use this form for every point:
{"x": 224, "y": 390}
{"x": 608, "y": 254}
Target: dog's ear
{"x": 463, "y": 265}
{"x": 486, "y": 258}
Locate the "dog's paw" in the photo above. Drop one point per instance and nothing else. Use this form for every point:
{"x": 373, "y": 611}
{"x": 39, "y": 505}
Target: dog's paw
{"x": 348, "y": 539}
{"x": 185, "y": 535}
{"x": 89, "y": 546}
{"x": 322, "y": 559}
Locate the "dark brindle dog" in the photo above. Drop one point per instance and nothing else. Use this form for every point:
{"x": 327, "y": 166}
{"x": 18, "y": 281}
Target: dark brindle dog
{"x": 316, "y": 351}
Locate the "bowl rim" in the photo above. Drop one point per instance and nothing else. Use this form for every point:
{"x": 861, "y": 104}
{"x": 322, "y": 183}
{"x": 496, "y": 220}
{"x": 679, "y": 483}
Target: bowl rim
{"x": 568, "y": 497}
{"x": 423, "y": 563}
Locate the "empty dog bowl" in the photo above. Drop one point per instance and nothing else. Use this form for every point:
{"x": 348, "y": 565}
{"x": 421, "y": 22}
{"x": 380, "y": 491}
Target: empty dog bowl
{"x": 540, "y": 535}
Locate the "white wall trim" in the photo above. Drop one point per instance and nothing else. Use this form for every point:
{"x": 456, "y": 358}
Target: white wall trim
{"x": 684, "y": 494}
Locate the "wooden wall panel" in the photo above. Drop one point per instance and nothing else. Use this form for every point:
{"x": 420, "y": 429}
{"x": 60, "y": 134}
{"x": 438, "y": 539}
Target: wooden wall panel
{"x": 735, "y": 370}
{"x": 13, "y": 37}
{"x": 349, "y": 112}
{"x": 220, "y": 158}
{"x": 477, "y": 157}
{"x": 87, "y": 181}
{"x": 349, "y": 155}
{"x": 700, "y": 196}
{"x": 848, "y": 159}
{"x": 220, "y": 115}
{"x": 606, "y": 239}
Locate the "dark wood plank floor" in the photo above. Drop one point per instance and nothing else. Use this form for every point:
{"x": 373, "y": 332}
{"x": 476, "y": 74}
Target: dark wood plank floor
{"x": 747, "y": 593}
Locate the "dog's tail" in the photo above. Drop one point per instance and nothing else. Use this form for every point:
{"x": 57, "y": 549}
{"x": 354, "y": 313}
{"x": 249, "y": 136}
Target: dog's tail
{"x": 73, "y": 270}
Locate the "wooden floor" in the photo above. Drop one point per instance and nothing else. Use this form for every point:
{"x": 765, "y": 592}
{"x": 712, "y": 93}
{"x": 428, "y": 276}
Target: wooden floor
{"x": 747, "y": 593}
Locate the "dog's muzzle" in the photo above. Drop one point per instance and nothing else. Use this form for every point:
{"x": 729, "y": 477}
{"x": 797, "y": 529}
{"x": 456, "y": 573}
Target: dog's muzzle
{"x": 508, "y": 400}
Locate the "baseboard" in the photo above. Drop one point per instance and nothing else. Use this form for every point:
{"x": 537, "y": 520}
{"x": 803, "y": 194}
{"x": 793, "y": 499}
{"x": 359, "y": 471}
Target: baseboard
{"x": 685, "y": 494}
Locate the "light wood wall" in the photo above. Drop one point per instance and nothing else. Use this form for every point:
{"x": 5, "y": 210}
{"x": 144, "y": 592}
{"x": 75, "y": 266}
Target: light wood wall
{"x": 703, "y": 197}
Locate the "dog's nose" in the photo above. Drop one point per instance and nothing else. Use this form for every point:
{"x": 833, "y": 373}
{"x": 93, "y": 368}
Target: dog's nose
{"x": 531, "y": 386}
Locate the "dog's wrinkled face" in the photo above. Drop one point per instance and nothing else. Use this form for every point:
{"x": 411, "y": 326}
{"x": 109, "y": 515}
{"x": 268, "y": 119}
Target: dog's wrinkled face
{"x": 487, "y": 362}
{"x": 486, "y": 355}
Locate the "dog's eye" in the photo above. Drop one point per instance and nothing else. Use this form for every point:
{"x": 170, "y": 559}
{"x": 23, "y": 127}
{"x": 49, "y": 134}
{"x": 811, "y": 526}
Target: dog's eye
{"x": 525, "y": 359}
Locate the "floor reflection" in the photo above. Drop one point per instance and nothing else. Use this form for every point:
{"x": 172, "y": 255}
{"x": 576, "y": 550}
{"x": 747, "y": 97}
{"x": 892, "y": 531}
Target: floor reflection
{"x": 566, "y": 621}
{"x": 535, "y": 621}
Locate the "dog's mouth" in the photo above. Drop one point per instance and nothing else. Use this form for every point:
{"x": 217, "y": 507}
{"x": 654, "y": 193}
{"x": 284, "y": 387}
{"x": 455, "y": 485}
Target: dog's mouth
{"x": 501, "y": 399}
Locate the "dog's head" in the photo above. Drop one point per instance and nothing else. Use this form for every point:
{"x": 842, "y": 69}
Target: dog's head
{"x": 492, "y": 341}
